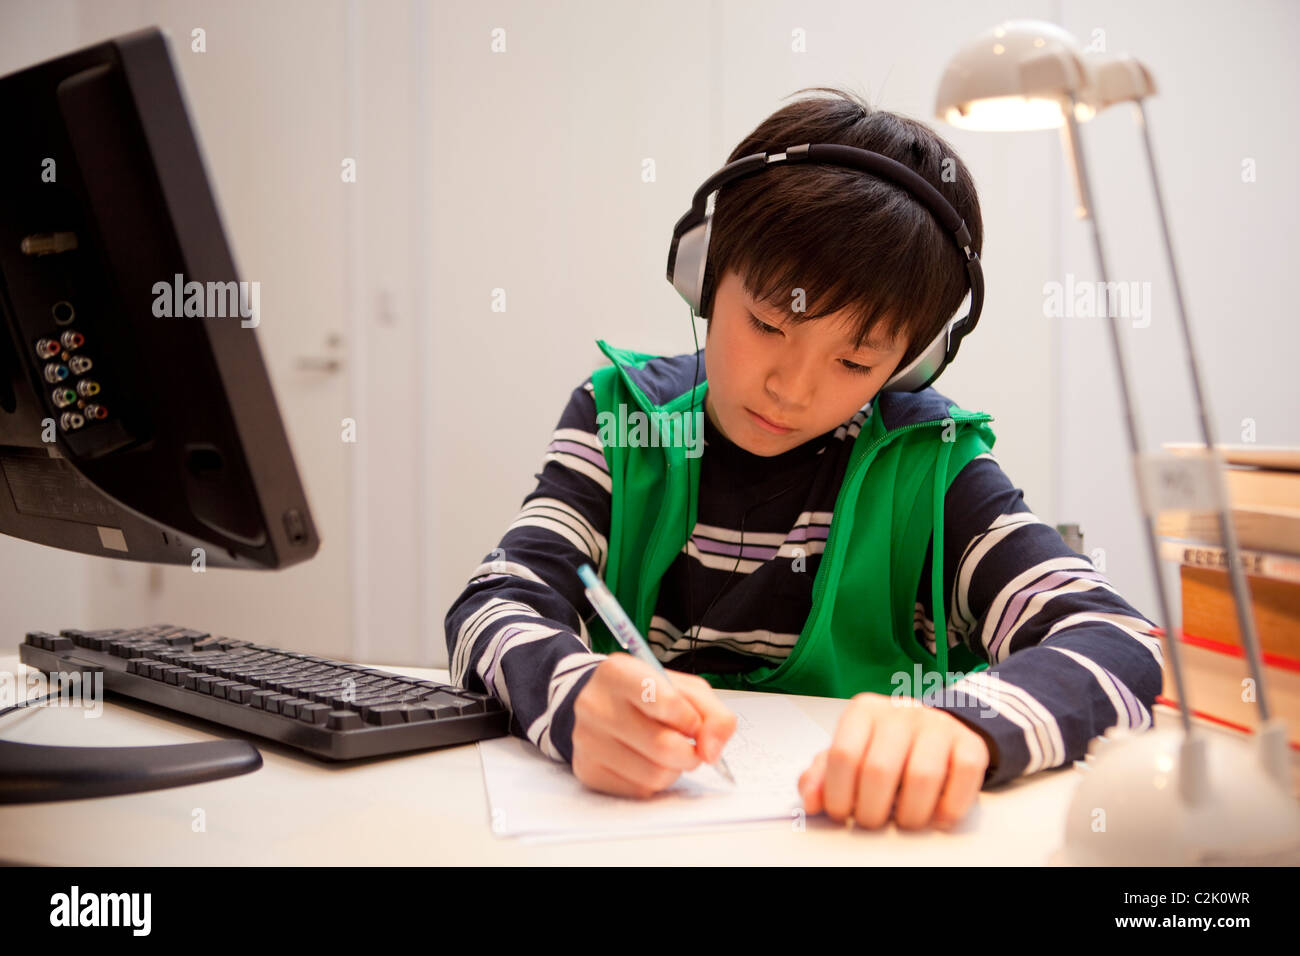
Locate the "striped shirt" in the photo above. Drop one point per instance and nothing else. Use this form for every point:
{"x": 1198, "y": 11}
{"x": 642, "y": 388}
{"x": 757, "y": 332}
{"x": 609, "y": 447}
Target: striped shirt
{"x": 1069, "y": 657}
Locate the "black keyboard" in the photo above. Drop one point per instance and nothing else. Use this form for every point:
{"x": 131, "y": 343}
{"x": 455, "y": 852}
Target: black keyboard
{"x": 325, "y": 707}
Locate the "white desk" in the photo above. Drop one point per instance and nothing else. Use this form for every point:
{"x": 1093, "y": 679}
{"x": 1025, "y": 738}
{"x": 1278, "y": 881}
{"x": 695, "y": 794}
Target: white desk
{"x": 431, "y": 808}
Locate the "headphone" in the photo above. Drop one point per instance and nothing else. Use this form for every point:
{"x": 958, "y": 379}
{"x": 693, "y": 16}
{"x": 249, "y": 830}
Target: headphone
{"x": 688, "y": 257}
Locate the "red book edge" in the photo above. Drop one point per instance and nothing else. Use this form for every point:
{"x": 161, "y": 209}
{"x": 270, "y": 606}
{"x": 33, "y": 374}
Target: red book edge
{"x": 1162, "y": 699}
{"x": 1234, "y": 650}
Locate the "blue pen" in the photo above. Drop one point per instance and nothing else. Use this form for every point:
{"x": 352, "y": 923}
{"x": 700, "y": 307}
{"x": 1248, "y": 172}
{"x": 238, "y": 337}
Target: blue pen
{"x": 625, "y": 632}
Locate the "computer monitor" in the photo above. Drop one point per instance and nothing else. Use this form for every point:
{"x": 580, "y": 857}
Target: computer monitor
{"x": 137, "y": 420}
{"x": 136, "y": 417}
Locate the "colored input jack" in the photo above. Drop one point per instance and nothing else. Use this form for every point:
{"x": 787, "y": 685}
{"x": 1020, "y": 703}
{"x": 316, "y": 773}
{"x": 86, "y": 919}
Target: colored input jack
{"x": 63, "y": 397}
{"x": 96, "y": 411}
{"x": 55, "y": 372}
{"x": 48, "y": 348}
{"x": 72, "y": 340}
{"x": 87, "y": 388}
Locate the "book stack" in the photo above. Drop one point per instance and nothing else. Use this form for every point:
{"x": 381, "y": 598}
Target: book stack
{"x": 1264, "y": 493}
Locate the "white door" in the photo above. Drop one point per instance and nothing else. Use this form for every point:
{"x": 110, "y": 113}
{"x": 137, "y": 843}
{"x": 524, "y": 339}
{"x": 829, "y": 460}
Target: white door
{"x": 268, "y": 98}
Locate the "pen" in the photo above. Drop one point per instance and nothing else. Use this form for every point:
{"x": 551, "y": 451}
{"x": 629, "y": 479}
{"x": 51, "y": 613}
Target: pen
{"x": 625, "y": 632}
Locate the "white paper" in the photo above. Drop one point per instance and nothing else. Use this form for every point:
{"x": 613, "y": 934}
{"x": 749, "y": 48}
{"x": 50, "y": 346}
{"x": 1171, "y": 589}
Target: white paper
{"x": 773, "y": 744}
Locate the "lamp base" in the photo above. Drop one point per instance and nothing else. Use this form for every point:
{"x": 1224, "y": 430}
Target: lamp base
{"x": 1161, "y": 798}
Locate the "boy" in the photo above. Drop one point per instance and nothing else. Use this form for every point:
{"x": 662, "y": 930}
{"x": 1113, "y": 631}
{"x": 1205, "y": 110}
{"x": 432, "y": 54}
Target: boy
{"x": 824, "y": 281}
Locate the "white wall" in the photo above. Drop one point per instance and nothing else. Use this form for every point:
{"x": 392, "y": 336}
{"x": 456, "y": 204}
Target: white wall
{"x": 538, "y": 190}
{"x": 1229, "y": 89}
{"x": 271, "y": 114}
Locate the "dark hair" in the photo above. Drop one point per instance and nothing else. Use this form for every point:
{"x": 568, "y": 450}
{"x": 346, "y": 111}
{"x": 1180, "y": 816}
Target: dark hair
{"x": 847, "y": 238}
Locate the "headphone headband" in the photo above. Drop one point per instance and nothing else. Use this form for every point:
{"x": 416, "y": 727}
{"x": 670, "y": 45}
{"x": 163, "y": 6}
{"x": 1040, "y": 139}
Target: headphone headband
{"x": 688, "y": 254}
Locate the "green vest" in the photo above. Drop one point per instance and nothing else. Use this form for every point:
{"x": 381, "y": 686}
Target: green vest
{"x": 859, "y": 632}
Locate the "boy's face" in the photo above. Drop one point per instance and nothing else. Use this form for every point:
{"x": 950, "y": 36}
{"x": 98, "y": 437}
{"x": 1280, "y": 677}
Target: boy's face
{"x": 797, "y": 376}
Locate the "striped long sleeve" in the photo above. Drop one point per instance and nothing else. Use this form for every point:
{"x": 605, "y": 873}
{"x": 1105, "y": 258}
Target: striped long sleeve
{"x": 518, "y": 631}
{"x": 1068, "y": 656}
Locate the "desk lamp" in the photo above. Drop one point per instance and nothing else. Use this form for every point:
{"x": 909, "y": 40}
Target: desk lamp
{"x": 1172, "y": 798}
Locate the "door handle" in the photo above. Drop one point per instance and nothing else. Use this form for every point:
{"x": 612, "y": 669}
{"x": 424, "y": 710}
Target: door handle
{"x": 316, "y": 363}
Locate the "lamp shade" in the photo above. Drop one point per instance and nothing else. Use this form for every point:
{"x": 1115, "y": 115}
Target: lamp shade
{"x": 1016, "y": 76}
{"x": 1117, "y": 78}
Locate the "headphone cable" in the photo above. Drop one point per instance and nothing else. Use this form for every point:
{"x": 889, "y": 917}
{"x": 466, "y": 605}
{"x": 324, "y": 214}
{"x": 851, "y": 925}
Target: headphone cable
{"x": 690, "y": 489}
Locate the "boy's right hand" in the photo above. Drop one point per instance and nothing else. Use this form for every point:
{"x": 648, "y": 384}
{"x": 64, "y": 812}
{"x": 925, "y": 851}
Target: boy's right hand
{"x": 632, "y": 734}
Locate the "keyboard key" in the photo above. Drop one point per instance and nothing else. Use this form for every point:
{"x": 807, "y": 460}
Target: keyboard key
{"x": 50, "y": 642}
{"x": 205, "y": 683}
{"x": 289, "y": 707}
{"x": 344, "y": 720}
{"x": 257, "y": 698}
{"x": 366, "y": 705}
{"x": 240, "y": 693}
{"x": 443, "y": 704}
{"x": 317, "y": 694}
{"x": 266, "y": 681}
{"x": 272, "y": 703}
{"x": 219, "y": 688}
{"x": 383, "y": 714}
{"x": 291, "y": 687}
{"x": 413, "y": 713}
{"x": 314, "y": 713}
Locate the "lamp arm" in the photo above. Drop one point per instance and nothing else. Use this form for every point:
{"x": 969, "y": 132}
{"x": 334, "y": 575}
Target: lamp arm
{"x": 1073, "y": 147}
{"x": 1272, "y": 734}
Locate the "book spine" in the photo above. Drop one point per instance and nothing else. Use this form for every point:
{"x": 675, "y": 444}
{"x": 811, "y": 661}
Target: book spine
{"x": 1263, "y": 564}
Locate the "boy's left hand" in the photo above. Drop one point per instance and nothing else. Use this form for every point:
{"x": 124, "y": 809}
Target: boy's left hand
{"x": 883, "y": 750}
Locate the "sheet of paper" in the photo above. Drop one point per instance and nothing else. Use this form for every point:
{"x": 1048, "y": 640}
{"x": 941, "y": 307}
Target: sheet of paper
{"x": 774, "y": 743}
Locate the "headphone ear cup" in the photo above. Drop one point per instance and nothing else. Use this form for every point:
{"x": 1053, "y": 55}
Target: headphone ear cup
{"x": 923, "y": 369}
{"x": 687, "y": 258}
{"x": 704, "y": 300}
{"x": 686, "y": 263}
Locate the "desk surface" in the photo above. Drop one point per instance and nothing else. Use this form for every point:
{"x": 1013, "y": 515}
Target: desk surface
{"x": 431, "y": 808}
